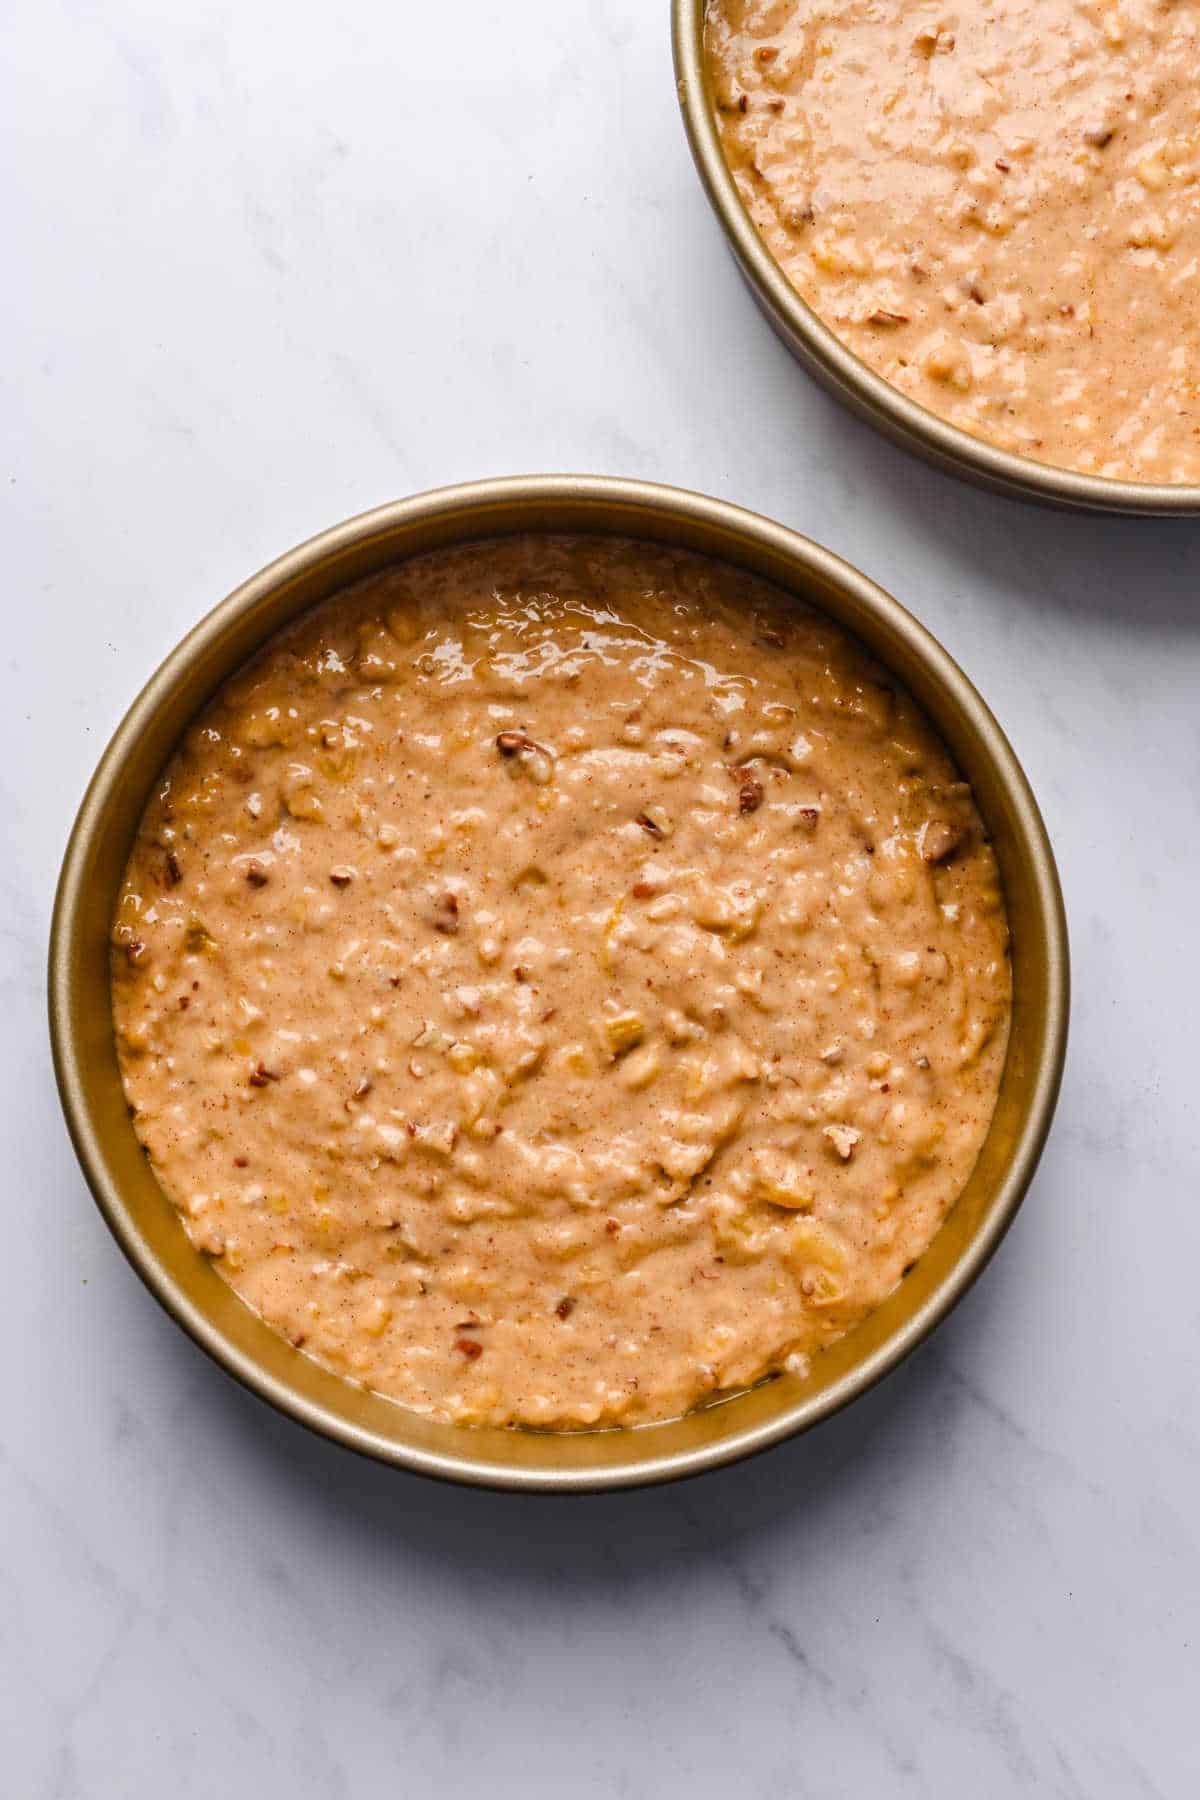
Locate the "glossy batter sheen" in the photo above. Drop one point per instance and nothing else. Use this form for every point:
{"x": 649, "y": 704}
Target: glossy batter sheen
{"x": 561, "y": 979}
{"x": 996, "y": 204}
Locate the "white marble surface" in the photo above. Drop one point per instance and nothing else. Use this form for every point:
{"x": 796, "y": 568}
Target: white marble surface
{"x": 266, "y": 266}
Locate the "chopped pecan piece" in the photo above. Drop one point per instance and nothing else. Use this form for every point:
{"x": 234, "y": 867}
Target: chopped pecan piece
{"x": 172, "y": 869}
{"x": 256, "y": 875}
{"x": 533, "y": 759}
{"x": 341, "y": 876}
{"x": 260, "y": 1075}
{"x": 445, "y": 913}
{"x": 750, "y": 794}
{"x": 883, "y": 315}
{"x": 468, "y": 1347}
{"x": 566, "y": 1306}
{"x": 940, "y": 841}
{"x": 842, "y": 1140}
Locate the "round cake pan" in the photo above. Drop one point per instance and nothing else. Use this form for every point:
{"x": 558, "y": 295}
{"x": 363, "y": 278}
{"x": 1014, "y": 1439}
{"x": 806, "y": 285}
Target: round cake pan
{"x": 146, "y": 1225}
{"x": 824, "y": 355}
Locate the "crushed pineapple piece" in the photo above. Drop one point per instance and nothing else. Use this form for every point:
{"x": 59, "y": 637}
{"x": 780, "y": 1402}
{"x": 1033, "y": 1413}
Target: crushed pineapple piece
{"x": 623, "y": 1031}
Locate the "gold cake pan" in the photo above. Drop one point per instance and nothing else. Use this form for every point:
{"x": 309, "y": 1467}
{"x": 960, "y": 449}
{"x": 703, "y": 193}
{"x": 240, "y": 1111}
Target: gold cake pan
{"x": 824, "y": 355}
{"x": 147, "y": 1226}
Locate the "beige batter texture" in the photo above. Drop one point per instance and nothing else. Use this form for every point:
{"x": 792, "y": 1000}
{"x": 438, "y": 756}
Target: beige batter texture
{"x": 996, "y": 204}
{"x": 559, "y": 980}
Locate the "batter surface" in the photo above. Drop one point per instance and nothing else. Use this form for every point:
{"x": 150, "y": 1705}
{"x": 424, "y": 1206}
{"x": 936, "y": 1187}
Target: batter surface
{"x": 559, "y": 980}
{"x": 995, "y": 203}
